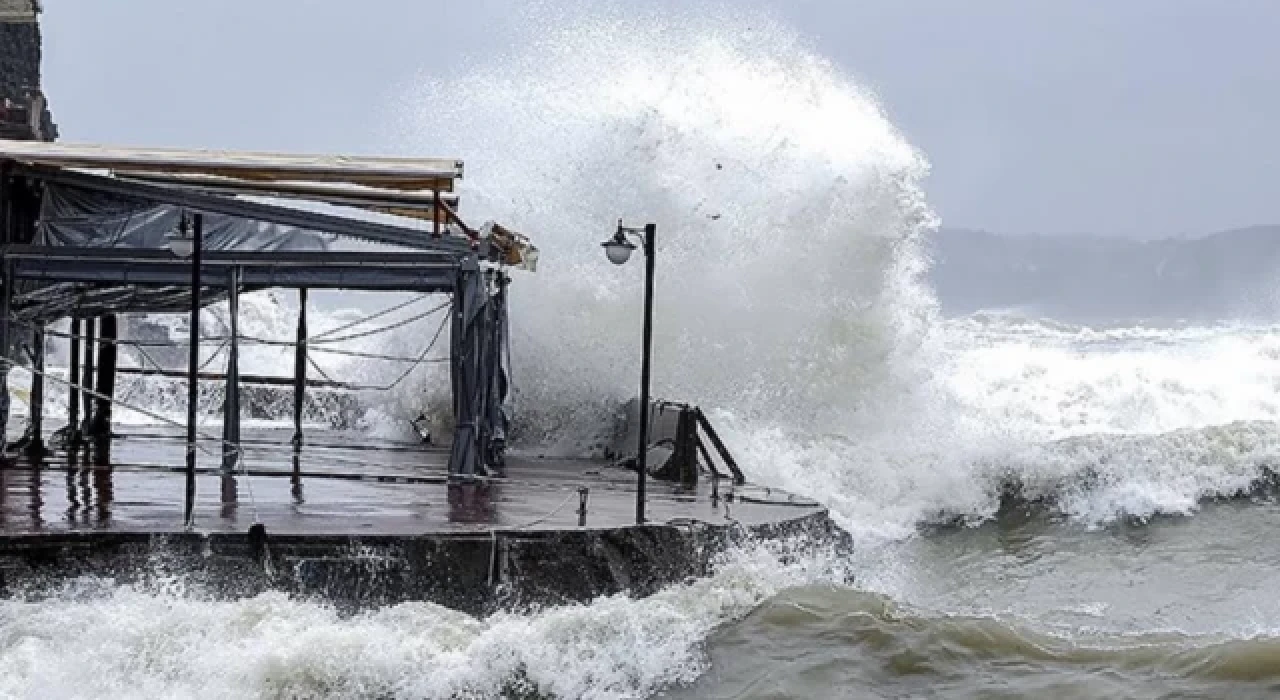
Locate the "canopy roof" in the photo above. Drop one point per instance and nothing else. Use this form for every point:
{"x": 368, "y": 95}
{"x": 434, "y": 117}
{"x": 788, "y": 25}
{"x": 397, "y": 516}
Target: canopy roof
{"x": 411, "y": 204}
{"x": 423, "y": 174}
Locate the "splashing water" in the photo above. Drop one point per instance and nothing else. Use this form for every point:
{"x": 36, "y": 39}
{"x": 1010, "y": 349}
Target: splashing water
{"x": 166, "y": 639}
{"x": 789, "y": 218}
{"x": 790, "y": 303}
{"x": 790, "y": 298}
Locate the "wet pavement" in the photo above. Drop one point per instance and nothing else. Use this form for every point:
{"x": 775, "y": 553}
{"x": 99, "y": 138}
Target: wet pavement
{"x": 346, "y": 483}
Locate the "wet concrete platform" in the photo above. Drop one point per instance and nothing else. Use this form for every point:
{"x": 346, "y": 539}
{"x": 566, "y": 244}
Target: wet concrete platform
{"x": 348, "y": 484}
{"x": 369, "y": 522}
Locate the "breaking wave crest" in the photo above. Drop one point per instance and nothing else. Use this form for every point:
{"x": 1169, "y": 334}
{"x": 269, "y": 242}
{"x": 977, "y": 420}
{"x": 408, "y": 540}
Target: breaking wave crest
{"x": 790, "y": 300}
{"x": 168, "y": 639}
{"x": 788, "y": 209}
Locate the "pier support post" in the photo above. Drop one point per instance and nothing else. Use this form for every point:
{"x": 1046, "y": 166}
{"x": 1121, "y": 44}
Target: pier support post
{"x": 35, "y": 429}
{"x": 300, "y": 369}
{"x": 231, "y": 402}
{"x": 193, "y": 368}
{"x": 108, "y": 354}
{"x": 6, "y": 343}
{"x": 87, "y": 376}
{"x": 73, "y": 379}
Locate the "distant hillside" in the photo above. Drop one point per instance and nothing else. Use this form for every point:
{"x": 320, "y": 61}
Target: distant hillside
{"x": 1229, "y": 275}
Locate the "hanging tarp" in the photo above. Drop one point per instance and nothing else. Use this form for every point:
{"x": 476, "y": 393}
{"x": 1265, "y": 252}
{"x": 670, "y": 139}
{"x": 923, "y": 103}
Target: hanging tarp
{"x": 493, "y": 433}
{"x": 84, "y": 218}
{"x": 470, "y": 300}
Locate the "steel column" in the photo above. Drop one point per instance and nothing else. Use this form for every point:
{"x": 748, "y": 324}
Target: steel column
{"x": 231, "y": 402}
{"x": 73, "y": 377}
{"x": 87, "y": 376}
{"x": 35, "y": 430}
{"x": 193, "y": 366}
{"x": 108, "y": 353}
{"x": 6, "y": 361}
{"x": 300, "y": 369}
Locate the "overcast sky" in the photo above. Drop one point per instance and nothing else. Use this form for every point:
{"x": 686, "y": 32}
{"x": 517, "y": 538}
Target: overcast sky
{"x": 1138, "y": 118}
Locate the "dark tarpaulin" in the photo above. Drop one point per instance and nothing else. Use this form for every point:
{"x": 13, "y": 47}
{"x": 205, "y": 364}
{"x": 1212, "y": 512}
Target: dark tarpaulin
{"x": 479, "y": 376}
{"x": 78, "y": 217}
{"x": 469, "y": 320}
{"x": 493, "y": 431}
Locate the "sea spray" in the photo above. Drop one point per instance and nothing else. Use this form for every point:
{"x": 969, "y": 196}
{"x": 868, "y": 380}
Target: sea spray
{"x": 788, "y": 208}
{"x": 790, "y": 294}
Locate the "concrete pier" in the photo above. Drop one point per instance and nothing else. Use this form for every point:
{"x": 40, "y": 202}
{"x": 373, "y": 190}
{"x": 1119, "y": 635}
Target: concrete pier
{"x": 368, "y": 525}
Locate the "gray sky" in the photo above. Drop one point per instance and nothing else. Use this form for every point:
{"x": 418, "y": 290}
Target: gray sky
{"x": 1139, "y": 118}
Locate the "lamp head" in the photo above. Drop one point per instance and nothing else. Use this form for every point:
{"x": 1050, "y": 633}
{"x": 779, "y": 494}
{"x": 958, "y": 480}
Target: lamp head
{"x": 618, "y": 249}
{"x": 181, "y": 241}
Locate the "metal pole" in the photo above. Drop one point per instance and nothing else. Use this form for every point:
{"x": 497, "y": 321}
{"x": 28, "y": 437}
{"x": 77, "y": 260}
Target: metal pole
{"x": 193, "y": 366}
{"x": 87, "y": 377}
{"x": 6, "y": 306}
{"x": 73, "y": 370}
{"x": 35, "y": 446}
{"x": 231, "y": 402}
{"x": 108, "y": 356}
{"x": 650, "y": 233}
{"x": 300, "y": 369}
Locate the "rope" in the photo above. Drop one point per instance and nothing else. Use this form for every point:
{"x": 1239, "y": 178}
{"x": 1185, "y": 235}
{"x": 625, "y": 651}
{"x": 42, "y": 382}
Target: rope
{"x": 115, "y": 341}
{"x": 254, "y": 340}
{"x": 382, "y": 329}
{"x": 550, "y": 514}
{"x": 421, "y": 359}
{"x": 214, "y": 356}
{"x": 366, "y": 319}
{"x": 377, "y": 356}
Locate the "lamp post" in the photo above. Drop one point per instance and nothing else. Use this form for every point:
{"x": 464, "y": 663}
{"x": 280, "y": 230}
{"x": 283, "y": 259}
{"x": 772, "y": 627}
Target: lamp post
{"x": 618, "y": 249}
{"x": 186, "y": 243}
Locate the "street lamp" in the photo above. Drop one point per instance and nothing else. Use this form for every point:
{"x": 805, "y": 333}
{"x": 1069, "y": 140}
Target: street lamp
{"x": 180, "y": 240}
{"x": 185, "y": 243}
{"x": 618, "y": 249}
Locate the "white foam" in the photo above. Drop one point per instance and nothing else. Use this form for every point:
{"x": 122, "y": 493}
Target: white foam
{"x": 99, "y": 641}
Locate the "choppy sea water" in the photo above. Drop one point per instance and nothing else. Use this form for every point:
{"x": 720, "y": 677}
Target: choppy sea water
{"x": 1039, "y": 509}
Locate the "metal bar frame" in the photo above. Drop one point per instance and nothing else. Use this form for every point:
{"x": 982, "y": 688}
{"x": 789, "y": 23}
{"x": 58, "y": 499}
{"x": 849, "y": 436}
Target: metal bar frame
{"x": 300, "y": 369}
{"x": 245, "y": 379}
{"x": 193, "y": 366}
{"x": 6, "y": 346}
{"x": 231, "y": 400}
{"x": 218, "y": 204}
{"x": 89, "y": 374}
{"x": 35, "y": 429}
{"x": 73, "y": 378}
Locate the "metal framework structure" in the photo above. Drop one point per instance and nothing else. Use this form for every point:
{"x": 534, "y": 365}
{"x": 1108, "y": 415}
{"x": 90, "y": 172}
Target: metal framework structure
{"x": 86, "y": 233}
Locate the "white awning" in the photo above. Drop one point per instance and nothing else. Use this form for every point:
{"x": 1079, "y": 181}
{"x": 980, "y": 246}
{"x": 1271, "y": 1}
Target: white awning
{"x": 423, "y": 174}
{"x": 408, "y": 203}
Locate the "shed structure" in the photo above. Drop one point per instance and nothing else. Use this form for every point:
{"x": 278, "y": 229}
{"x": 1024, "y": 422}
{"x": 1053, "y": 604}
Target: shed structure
{"x": 88, "y": 232}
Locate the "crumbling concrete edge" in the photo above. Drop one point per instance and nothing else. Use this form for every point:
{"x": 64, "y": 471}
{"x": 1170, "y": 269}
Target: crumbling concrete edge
{"x": 475, "y": 573}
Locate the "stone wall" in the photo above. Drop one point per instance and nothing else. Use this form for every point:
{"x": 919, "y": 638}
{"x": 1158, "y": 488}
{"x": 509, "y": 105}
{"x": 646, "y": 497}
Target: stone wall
{"x": 20, "y": 54}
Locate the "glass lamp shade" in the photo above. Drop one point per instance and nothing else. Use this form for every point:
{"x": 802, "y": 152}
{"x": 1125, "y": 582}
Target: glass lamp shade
{"x": 619, "y": 251}
{"x": 181, "y": 245}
